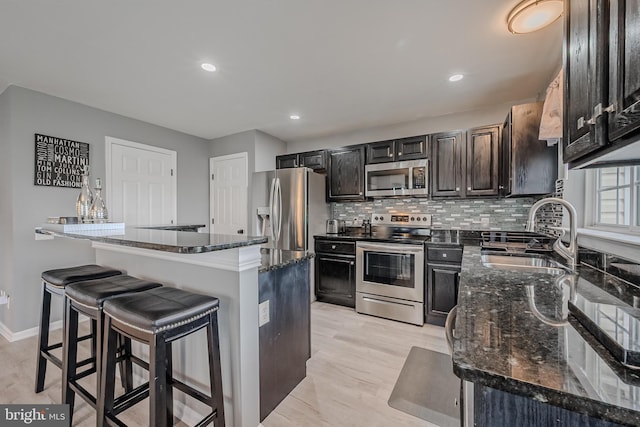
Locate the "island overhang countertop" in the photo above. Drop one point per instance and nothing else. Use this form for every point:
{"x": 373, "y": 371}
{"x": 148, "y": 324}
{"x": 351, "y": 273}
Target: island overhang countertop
{"x": 183, "y": 242}
{"x": 501, "y": 342}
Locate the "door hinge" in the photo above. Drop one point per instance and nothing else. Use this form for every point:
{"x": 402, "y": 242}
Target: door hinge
{"x": 171, "y": 172}
{"x": 212, "y": 175}
{"x": 211, "y": 220}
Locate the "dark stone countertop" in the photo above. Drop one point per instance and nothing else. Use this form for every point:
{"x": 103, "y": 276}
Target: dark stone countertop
{"x": 183, "y": 242}
{"x": 273, "y": 259}
{"x": 178, "y": 227}
{"x": 444, "y": 237}
{"x": 502, "y": 344}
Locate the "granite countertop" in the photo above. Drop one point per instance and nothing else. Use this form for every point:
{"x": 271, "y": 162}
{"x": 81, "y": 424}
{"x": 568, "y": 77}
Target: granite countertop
{"x": 277, "y": 258}
{"x": 184, "y": 242}
{"x": 519, "y": 344}
{"x": 177, "y": 227}
{"x": 453, "y": 237}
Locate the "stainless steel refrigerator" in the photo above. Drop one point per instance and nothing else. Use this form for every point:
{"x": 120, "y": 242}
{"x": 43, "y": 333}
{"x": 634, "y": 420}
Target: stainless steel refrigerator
{"x": 289, "y": 206}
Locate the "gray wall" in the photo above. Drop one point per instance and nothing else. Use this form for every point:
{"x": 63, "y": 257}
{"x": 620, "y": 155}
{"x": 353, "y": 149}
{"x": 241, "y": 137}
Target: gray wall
{"x": 6, "y": 216}
{"x": 34, "y": 112}
{"x": 267, "y": 148}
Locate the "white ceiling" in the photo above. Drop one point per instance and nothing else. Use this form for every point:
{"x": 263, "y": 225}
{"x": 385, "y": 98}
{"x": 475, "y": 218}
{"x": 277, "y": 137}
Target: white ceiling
{"x": 341, "y": 64}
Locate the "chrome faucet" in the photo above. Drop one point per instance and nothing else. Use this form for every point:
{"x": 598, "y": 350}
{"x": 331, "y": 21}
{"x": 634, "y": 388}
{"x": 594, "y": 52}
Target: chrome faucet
{"x": 570, "y": 253}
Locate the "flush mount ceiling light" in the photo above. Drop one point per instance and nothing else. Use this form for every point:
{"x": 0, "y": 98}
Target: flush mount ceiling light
{"x": 294, "y": 117}
{"x": 532, "y": 15}
{"x": 208, "y": 67}
{"x": 456, "y": 78}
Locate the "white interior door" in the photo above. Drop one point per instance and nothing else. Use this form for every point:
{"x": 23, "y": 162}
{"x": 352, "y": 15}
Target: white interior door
{"x": 141, "y": 183}
{"x": 228, "y": 193}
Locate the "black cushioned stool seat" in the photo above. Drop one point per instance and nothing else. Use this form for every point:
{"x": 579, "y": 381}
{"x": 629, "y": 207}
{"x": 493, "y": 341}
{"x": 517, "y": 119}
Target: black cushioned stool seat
{"x": 158, "y": 317}
{"x": 54, "y": 282}
{"x": 88, "y": 298}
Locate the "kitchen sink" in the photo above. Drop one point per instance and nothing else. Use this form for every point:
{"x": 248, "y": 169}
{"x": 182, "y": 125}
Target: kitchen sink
{"x": 533, "y": 263}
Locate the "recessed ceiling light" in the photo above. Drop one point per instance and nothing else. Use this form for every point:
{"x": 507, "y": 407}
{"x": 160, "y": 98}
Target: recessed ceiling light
{"x": 531, "y": 15}
{"x": 208, "y": 67}
{"x": 294, "y": 117}
{"x": 456, "y": 78}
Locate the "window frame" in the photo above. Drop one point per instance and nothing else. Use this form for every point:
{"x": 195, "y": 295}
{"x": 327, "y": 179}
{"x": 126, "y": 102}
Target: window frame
{"x": 592, "y": 214}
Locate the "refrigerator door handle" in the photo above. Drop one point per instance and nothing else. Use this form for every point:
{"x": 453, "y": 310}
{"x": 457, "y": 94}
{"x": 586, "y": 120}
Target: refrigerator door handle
{"x": 272, "y": 222}
{"x": 279, "y": 201}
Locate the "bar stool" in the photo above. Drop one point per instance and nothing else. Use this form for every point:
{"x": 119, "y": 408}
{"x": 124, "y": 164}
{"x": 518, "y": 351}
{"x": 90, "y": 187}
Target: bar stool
{"x": 157, "y": 318}
{"x": 88, "y": 298}
{"x": 54, "y": 283}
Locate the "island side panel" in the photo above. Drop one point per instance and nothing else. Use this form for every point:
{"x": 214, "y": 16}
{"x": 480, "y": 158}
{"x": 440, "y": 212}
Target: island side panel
{"x": 238, "y": 319}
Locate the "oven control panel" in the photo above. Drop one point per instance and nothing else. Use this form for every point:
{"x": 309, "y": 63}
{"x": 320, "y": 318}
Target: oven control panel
{"x": 401, "y": 219}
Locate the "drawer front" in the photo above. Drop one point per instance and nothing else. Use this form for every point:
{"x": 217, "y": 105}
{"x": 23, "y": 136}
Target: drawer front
{"x": 335, "y": 247}
{"x": 444, "y": 254}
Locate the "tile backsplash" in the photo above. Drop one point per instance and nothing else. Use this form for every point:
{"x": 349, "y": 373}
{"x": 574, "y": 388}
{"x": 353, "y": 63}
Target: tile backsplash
{"x": 467, "y": 214}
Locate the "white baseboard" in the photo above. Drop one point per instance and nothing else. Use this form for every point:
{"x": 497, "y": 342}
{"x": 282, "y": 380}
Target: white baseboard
{"x": 31, "y": 332}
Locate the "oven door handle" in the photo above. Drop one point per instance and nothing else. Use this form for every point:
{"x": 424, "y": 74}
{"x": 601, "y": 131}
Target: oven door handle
{"x": 390, "y": 248}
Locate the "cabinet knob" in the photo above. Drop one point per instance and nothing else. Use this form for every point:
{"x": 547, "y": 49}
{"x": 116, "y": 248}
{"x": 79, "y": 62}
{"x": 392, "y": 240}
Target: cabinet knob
{"x": 444, "y": 255}
{"x": 468, "y": 188}
{"x": 501, "y": 187}
{"x": 333, "y": 246}
{"x": 457, "y": 188}
{"x": 391, "y": 155}
{"x": 360, "y": 193}
{"x": 399, "y": 154}
{"x": 351, "y": 263}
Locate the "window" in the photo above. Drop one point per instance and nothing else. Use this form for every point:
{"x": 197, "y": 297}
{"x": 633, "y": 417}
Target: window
{"x": 617, "y": 198}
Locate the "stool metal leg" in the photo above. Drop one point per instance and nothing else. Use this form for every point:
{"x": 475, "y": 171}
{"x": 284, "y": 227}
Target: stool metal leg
{"x": 108, "y": 374}
{"x": 215, "y": 371}
{"x": 157, "y": 381}
{"x": 169, "y": 367}
{"x": 43, "y": 338}
{"x": 69, "y": 355}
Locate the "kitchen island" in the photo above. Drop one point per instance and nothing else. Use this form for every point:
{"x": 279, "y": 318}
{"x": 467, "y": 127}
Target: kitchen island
{"x": 529, "y": 363}
{"x": 224, "y": 266}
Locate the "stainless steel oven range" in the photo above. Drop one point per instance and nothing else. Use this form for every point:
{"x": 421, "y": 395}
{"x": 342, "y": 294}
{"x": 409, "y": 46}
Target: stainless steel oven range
{"x": 390, "y": 267}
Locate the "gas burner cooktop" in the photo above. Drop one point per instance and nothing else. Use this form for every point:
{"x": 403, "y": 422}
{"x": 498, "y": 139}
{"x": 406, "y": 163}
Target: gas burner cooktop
{"x": 403, "y": 228}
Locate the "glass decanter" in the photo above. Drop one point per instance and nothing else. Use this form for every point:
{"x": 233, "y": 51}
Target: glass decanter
{"x": 98, "y": 212}
{"x": 85, "y": 199}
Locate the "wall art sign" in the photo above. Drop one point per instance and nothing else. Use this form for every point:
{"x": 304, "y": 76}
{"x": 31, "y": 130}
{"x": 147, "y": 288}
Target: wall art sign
{"x": 59, "y": 162}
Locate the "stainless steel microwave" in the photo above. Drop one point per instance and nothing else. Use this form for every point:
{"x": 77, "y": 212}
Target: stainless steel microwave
{"x": 410, "y": 178}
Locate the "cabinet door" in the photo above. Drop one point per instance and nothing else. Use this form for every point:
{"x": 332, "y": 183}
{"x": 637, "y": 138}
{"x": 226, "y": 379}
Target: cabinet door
{"x": 447, "y": 164}
{"x": 584, "y": 53}
{"x": 336, "y": 279}
{"x": 483, "y": 161}
{"x": 624, "y": 68}
{"x": 346, "y": 174}
{"x": 380, "y": 152}
{"x": 442, "y": 292}
{"x": 287, "y": 161}
{"x": 504, "y": 186}
{"x": 316, "y": 160}
{"x": 411, "y": 148}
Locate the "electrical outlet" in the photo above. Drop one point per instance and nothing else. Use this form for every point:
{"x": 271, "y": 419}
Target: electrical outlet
{"x": 263, "y": 310}
{"x": 484, "y": 221}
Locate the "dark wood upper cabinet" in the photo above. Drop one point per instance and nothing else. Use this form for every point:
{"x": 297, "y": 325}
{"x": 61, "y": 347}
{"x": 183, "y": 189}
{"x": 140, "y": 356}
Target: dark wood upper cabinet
{"x": 345, "y": 173}
{"x": 584, "y": 51}
{"x": 396, "y": 150}
{"x": 447, "y": 164}
{"x": 287, "y": 161}
{"x": 412, "y": 148}
{"x": 602, "y": 81}
{"x": 529, "y": 166}
{"x": 483, "y": 161}
{"x": 624, "y": 68}
{"x": 381, "y": 152}
{"x": 316, "y": 160}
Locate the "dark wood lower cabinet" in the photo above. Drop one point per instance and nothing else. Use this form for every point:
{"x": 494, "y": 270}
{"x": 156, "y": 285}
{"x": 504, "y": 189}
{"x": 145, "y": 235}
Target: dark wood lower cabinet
{"x": 285, "y": 341}
{"x": 497, "y": 408}
{"x": 442, "y": 292}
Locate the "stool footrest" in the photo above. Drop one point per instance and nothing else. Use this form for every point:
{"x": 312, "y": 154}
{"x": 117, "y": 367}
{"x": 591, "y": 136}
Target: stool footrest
{"x": 84, "y": 393}
{"x": 127, "y": 400}
{"x": 187, "y": 389}
{"x": 51, "y": 358}
{"x": 207, "y": 420}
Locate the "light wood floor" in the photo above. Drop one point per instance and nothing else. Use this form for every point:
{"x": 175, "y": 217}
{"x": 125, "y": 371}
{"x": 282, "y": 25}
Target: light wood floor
{"x": 355, "y": 362}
